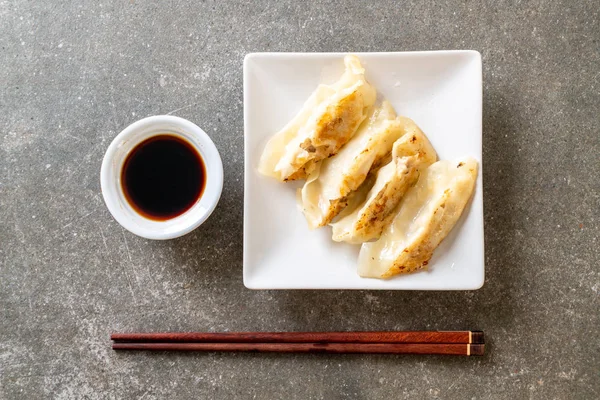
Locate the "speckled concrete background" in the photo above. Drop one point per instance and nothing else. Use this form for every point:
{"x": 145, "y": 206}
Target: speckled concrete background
{"x": 73, "y": 74}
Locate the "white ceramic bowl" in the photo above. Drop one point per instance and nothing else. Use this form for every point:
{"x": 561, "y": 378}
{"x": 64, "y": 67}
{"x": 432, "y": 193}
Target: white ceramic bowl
{"x": 110, "y": 177}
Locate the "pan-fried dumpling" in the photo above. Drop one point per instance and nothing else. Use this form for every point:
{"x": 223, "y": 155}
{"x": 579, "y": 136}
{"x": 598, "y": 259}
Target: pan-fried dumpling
{"x": 426, "y": 215}
{"x": 326, "y": 122}
{"x": 326, "y": 190}
{"x": 276, "y": 145}
{"x": 411, "y": 154}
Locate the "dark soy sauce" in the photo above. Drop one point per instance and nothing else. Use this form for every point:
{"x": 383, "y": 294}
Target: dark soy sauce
{"x": 163, "y": 177}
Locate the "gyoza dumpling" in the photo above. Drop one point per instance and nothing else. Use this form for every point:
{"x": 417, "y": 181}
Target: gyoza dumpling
{"x": 276, "y": 145}
{"x": 326, "y": 122}
{"x": 411, "y": 154}
{"x": 325, "y": 193}
{"x": 426, "y": 215}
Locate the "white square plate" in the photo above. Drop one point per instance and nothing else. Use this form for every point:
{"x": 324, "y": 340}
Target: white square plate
{"x": 440, "y": 90}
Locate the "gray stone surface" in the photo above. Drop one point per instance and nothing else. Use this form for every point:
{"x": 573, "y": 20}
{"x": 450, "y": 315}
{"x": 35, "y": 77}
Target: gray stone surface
{"x": 73, "y": 74}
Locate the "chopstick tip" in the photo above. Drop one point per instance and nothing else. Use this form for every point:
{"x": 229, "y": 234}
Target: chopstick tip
{"x": 477, "y": 349}
{"x": 477, "y": 337}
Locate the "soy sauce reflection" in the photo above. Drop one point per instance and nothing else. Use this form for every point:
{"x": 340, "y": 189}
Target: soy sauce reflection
{"x": 163, "y": 177}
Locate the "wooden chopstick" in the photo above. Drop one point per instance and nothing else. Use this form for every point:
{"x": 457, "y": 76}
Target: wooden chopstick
{"x": 467, "y": 337}
{"x": 398, "y": 342}
{"x": 380, "y": 348}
